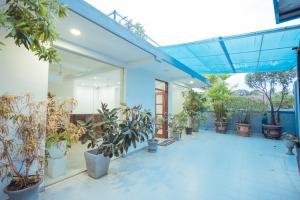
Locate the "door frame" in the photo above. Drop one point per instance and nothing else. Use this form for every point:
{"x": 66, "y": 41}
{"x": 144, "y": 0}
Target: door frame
{"x": 165, "y": 106}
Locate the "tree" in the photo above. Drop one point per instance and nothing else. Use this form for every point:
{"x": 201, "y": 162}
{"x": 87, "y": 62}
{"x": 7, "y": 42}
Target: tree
{"x": 219, "y": 94}
{"x": 267, "y": 82}
{"x": 31, "y": 24}
{"x": 194, "y": 103}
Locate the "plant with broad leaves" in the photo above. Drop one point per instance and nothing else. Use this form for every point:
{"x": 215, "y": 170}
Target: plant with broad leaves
{"x": 117, "y": 129}
{"x": 31, "y": 24}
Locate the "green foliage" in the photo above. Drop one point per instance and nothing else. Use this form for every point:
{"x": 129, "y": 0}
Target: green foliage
{"x": 194, "y": 103}
{"x": 267, "y": 82}
{"x": 31, "y": 24}
{"x": 118, "y": 129}
{"x": 287, "y": 103}
{"x": 139, "y": 30}
{"x": 219, "y": 95}
{"x": 245, "y": 106}
{"x": 214, "y": 78}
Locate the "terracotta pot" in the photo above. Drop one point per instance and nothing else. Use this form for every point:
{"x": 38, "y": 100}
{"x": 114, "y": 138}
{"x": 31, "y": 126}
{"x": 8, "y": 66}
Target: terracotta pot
{"x": 221, "y": 127}
{"x": 243, "y": 129}
{"x": 272, "y": 131}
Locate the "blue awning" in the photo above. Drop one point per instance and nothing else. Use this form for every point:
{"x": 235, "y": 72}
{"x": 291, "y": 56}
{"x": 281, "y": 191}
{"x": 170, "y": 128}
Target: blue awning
{"x": 264, "y": 51}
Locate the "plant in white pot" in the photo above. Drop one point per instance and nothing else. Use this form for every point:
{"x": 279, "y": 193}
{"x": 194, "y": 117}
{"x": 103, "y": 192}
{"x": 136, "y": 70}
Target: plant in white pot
{"x": 111, "y": 136}
{"x": 60, "y": 135}
{"x": 22, "y": 133}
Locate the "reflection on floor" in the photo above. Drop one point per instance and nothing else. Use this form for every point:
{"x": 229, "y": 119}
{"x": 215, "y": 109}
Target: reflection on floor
{"x": 75, "y": 164}
{"x": 206, "y": 166}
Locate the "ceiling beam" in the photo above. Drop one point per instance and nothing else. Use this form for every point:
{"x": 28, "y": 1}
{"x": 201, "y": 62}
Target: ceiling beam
{"x": 221, "y": 41}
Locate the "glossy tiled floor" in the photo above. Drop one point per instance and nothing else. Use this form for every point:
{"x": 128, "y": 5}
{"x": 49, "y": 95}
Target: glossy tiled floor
{"x": 204, "y": 166}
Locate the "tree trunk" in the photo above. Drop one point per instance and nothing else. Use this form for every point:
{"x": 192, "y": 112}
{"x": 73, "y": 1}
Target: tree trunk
{"x": 273, "y": 118}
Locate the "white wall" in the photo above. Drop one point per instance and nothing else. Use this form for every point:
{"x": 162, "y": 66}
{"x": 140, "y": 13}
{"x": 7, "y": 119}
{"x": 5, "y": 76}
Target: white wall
{"x": 21, "y": 72}
{"x": 177, "y": 98}
{"x": 140, "y": 88}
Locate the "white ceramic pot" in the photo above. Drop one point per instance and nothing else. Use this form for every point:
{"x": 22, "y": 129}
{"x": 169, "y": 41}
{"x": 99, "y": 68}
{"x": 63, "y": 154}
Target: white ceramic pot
{"x": 57, "y": 150}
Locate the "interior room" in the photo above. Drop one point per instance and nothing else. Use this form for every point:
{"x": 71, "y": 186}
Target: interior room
{"x": 90, "y": 82}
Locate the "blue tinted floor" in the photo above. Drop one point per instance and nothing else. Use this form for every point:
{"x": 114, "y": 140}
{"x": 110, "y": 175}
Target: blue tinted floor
{"x": 204, "y": 166}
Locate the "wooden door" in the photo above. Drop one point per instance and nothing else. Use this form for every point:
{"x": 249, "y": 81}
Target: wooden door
{"x": 161, "y": 110}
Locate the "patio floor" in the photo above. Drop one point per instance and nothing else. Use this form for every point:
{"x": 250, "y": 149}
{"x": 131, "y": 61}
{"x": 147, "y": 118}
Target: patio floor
{"x": 204, "y": 166}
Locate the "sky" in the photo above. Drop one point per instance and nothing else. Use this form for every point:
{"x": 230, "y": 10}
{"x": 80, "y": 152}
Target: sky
{"x": 175, "y": 21}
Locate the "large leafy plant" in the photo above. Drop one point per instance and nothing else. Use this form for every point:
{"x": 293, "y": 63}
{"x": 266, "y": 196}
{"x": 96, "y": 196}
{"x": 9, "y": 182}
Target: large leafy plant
{"x": 117, "y": 130}
{"x": 59, "y": 127}
{"x": 194, "y": 103}
{"x": 22, "y": 130}
{"x": 31, "y": 24}
{"x": 243, "y": 107}
{"x": 267, "y": 83}
{"x": 219, "y": 94}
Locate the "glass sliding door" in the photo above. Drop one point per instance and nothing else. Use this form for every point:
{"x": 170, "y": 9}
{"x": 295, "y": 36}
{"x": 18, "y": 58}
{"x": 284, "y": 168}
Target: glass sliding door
{"x": 89, "y": 82}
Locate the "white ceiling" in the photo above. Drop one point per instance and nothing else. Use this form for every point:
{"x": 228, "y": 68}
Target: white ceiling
{"x": 97, "y": 39}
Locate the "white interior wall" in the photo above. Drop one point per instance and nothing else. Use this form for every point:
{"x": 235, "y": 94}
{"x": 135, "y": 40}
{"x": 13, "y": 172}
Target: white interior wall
{"x": 21, "y": 72}
{"x": 90, "y": 91}
{"x": 177, "y": 98}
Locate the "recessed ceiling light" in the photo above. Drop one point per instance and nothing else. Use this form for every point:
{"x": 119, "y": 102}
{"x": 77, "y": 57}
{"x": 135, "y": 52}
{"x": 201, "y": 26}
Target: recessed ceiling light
{"x": 75, "y": 32}
{"x": 95, "y": 78}
{"x": 191, "y": 82}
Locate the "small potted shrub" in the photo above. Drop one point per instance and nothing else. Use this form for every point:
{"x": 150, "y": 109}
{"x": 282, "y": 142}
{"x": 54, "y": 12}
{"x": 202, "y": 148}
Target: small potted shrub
{"x": 173, "y": 128}
{"x": 60, "y": 134}
{"x": 149, "y": 130}
{"x": 243, "y": 107}
{"x": 291, "y": 142}
{"x": 22, "y": 132}
{"x": 267, "y": 83}
{"x": 194, "y": 103}
{"x": 111, "y": 136}
{"x": 219, "y": 95}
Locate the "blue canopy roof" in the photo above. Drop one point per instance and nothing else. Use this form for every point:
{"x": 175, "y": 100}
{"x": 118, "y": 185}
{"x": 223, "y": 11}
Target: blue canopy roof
{"x": 264, "y": 51}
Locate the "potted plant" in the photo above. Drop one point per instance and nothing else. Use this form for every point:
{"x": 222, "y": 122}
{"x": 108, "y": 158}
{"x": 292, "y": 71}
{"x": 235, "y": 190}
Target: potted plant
{"x": 243, "y": 107}
{"x": 194, "y": 103}
{"x": 173, "y": 127}
{"x": 267, "y": 83}
{"x": 22, "y": 132}
{"x": 111, "y": 136}
{"x": 60, "y": 134}
{"x": 219, "y": 94}
{"x": 149, "y": 130}
{"x": 291, "y": 141}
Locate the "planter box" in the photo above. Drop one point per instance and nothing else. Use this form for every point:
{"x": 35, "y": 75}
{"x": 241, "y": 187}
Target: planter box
{"x": 221, "y": 127}
{"x": 243, "y": 129}
{"x": 96, "y": 164}
{"x": 57, "y": 166}
{"x": 272, "y": 131}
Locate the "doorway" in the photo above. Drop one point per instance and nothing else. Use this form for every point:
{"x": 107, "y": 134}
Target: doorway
{"x": 161, "y": 108}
